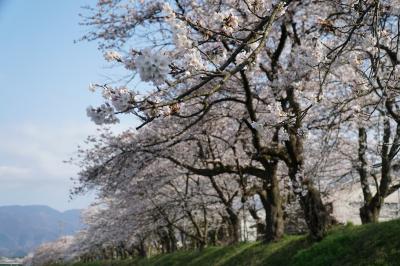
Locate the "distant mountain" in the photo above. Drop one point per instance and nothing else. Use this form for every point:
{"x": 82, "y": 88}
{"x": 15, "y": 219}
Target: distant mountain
{"x": 22, "y": 228}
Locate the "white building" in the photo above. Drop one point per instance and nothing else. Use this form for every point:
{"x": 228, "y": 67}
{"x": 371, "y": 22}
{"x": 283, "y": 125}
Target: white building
{"x": 347, "y": 202}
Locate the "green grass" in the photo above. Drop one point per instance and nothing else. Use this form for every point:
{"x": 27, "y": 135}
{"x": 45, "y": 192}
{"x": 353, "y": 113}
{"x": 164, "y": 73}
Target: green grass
{"x": 375, "y": 244}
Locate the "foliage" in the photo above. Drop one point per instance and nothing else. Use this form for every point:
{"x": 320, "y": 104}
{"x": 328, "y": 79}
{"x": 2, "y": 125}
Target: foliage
{"x": 372, "y": 244}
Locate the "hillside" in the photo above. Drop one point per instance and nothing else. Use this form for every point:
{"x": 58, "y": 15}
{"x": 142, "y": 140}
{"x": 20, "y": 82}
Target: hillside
{"x": 375, "y": 244}
{"x": 24, "y": 227}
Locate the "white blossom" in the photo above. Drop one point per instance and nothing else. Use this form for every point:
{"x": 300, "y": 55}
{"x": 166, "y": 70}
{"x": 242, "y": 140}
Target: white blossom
{"x": 121, "y": 98}
{"x": 152, "y": 67}
{"x": 112, "y": 56}
{"x": 104, "y": 114}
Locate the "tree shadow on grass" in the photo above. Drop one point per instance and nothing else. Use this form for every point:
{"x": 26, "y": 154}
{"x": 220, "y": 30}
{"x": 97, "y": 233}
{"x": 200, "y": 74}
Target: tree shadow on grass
{"x": 174, "y": 259}
{"x": 211, "y": 256}
{"x": 372, "y": 244}
{"x": 275, "y": 254}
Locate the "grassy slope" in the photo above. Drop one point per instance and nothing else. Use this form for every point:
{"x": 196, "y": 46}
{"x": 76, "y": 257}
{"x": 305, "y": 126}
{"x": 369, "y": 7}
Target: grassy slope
{"x": 375, "y": 244}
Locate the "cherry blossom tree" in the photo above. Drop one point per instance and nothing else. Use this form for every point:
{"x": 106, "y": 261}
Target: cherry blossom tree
{"x": 363, "y": 61}
{"x": 52, "y": 253}
{"x": 209, "y": 79}
{"x": 257, "y": 88}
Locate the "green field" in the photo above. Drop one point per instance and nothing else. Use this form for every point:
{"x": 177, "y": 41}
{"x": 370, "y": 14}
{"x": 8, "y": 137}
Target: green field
{"x": 374, "y": 244}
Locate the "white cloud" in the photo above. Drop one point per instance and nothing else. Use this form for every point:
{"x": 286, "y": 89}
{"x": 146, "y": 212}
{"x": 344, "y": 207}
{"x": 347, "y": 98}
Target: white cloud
{"x": 32, "y": 156}
{"x": 43, "y": 148}
{"x": 13, "y": 172}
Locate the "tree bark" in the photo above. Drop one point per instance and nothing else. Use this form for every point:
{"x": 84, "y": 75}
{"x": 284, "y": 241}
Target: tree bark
{"x": 234, "y": 229}
{"x": 273, "y": 205}
{"x": 315, "y": 213}
{"x": 172, "y": 239}
{"x": 317, "y": 218}
{"x": 369, "y": 213}
{"x": 142, "y": 249}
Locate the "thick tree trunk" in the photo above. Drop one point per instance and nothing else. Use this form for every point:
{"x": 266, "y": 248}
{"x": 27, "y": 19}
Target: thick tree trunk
{"x": 234, "y": 229}
{"x": 142, "y": 250}
{"x": 317, "y": 217}
{"x": 273, "y": 206}
{"x": 315, "y": 213}
{"x": 369, "y": 213}
{"x": 201, "y": 244}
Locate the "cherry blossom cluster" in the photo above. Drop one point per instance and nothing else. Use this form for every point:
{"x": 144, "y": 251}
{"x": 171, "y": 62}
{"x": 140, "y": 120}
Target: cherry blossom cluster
{"x": 152, "y": 67}
{"x": 104, "y": 114}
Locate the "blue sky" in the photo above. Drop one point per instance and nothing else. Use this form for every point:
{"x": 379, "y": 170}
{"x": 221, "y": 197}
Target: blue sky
{"x": 44, "y": 78}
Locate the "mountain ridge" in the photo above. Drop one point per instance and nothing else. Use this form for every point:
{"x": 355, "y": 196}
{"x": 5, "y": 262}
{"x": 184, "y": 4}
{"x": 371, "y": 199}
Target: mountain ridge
{"x": 24, "y": 227}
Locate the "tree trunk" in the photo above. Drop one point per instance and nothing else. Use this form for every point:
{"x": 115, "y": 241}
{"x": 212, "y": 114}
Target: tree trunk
{"x": 212, "y": 237}
{"x": 201, "y": 244}
{"x": 272, "y": 203}
{"x": 274, "y": 217}
{"x": 234, "y": 221}
{"x": 234, "y": 229}
{"x": 317, "y": 217}
{"x": 142, "y": 250}
{"x": 183, "y": 240}
{"x": 172, "y": 239}
{"x": 221, "y": 235}
{"x": 315, "y": 213}
{"x": 369, "y": 213}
